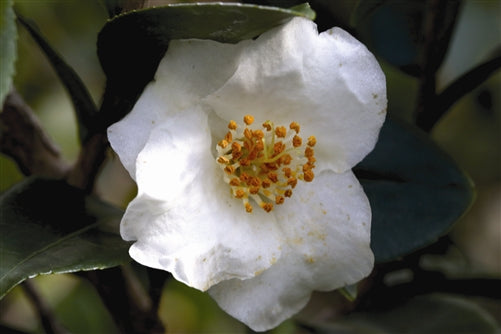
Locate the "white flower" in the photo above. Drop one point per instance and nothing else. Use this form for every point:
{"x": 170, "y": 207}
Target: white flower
{"x": 190, "y": 215}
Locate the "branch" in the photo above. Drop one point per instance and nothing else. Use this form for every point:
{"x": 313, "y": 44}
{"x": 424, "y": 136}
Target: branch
{"x": 459, "y": 88}
{"x": 435, "y": 43}
{"x": 23, "y": 139}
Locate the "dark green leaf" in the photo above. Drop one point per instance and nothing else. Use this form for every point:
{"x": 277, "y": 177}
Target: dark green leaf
{"x": 85, "y": 108}
{"x": 436, "y": 313}
{"x": 415, "y": 190}
{"x": 8, "y": 47}
{"x": 363, "y": 9}
{"x": 50, "y": 227}
{"x": 131, "y": 45}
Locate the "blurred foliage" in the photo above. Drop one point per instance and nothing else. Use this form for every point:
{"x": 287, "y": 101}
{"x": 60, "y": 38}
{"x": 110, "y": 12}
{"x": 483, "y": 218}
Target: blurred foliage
{"x": 8, "y": 46}
{"x": 470, "y": 132}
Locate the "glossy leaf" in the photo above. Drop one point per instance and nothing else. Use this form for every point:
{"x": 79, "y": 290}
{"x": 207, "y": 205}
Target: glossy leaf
{"x": 416, "y": 191}
{"x": 83, "y": 104}
{"x": 50, "y": 227}
{"x": 8, "y": 47}
{"x": 131, "y": 45}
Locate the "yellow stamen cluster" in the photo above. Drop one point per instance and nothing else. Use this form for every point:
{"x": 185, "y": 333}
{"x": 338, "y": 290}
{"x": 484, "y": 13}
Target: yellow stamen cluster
{"x": 265, "y": 165}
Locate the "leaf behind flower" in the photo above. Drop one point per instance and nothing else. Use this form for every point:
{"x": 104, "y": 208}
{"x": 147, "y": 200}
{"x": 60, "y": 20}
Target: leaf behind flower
{"x": 50, "y": 227}
{"x": 416, "y": 191}
{"x": 131, "y": 45}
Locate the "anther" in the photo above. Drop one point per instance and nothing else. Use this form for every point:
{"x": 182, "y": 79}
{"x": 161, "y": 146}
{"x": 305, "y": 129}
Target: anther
{"x": 312, "y": 141}
{"x": 248, "y": 119}
{"x": 278, "y": 148}
{"x": 248, "y": 133}
{"x": 279, "y": 199}
{"x": 280, "y": 131}
{"x": 236, "y": 147}
{"x": 309, "y": 152}
{"x": 232, "y": 125}
{"x": 248, "y": 207}
{"x": 296, "y": 141}
{"x": 308, "y": 175}
{"x": 273, "y": 177}
{"x": 239, "y": 193}
{"x": 223, "y": 160}
{"x": 292, "y": 181}
{"x": 267, "y": 206}
{"x": 294, "y": 126}
{"x": 223, "y": 143}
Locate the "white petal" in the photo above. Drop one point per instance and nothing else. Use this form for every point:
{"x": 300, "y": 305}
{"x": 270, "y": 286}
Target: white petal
{"x": 190, "y": 69}
{"x": 329, "y": 83}
{"x": 184, "y": 218}
{"x": 327, "y": 224}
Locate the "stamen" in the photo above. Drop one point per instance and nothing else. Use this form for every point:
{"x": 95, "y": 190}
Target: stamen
{"x": 264, "y": 165}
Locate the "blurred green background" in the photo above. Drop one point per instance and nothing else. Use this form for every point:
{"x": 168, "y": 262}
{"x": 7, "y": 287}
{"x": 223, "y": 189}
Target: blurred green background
{"x": 470, "y": 133}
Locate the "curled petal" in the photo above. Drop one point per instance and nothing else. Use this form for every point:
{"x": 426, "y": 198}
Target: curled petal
{"x": 184, "y": 76}
{"x": 184, "y": 219}
{"x": 329, "y": 83}
{"x": 326, "y": 247}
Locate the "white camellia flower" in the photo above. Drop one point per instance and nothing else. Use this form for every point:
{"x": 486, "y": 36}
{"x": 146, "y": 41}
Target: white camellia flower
{"x": 242, "y": 154}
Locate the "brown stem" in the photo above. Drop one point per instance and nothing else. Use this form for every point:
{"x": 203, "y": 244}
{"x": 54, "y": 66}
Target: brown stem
{"x": 23, "y": 139}
{"x": 460, "y": 87}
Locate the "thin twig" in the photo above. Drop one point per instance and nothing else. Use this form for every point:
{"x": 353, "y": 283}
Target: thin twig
{"x": 47, "y": 318}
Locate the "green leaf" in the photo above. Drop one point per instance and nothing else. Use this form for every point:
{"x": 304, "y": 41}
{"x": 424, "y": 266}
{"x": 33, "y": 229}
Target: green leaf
{"x": 50, "y": 227}
{"x": 364, "y": 9}
{"x": 131, "y": 45}
{"x": 434, "y": 313}
{"x": 8, "y": 47}
{"x": 83, "y": 104}
{"x": 416, "y": 191}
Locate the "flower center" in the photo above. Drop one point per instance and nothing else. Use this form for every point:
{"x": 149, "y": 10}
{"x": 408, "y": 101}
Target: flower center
{"x": 265, "y": 164}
